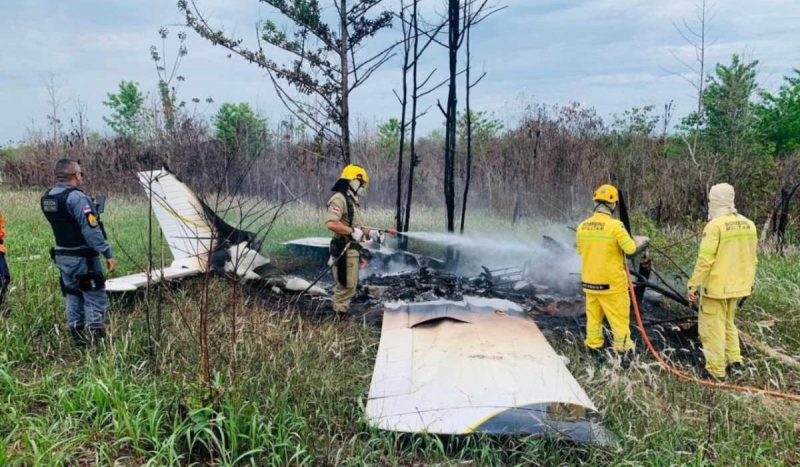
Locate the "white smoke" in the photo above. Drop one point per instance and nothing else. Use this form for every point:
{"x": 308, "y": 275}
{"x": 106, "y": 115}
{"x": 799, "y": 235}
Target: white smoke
{"x": 550, "y": 261}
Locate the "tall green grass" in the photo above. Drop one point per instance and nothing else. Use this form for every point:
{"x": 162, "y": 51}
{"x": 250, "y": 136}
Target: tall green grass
{"x": 296, "y": 393}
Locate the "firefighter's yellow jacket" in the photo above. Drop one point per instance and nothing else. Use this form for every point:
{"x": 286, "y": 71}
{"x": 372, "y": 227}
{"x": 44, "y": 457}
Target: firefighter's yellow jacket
{"x": 603, "y": 242}
{"x": 726, "y": 264}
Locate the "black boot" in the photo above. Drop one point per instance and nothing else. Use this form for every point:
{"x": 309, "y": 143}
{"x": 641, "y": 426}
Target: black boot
{"x": 597, "y": 355}
{"x": 79, "y": 337}
{"x": 626, "y": 358}
{"x": 96, "y": 336}
{"x": 709, "y": 377}
{"x": 736, "y": 369}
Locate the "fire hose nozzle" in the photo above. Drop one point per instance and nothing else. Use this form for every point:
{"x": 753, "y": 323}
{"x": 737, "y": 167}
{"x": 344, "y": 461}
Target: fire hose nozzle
{"x": 389, "y": 231}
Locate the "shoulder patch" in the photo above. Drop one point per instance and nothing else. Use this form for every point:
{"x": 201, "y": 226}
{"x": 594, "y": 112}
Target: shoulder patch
{"x": 91, "y": 219}
{"x": 335, "y": 208}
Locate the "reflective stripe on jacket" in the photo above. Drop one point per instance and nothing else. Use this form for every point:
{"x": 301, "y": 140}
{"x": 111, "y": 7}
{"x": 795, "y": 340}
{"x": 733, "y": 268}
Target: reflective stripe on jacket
{"x": 726, "y": 263}
{"x": 603, "y": 242}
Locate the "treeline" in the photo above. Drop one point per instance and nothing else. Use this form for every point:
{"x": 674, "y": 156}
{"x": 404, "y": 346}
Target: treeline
{"x": 545, "y": 166}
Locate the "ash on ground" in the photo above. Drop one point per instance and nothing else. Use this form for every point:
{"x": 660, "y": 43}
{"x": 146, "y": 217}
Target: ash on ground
{"x": 556, "y": 304}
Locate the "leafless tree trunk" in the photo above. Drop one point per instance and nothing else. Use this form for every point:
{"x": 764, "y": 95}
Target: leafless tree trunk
{"x": 468, "y": 86}
{"x": 344, "y": 49}
{"x": 458, "y": 25}
{"x": 695, "y": 36}
{"x": 471, "y": 18}
{"x": 453, "y": 40}
{"x": 419, "y": 89}
{"x": 778, "y": 220}
{"x": 54, "y": 102}
{"x": 407, "y": 38}
{"x": 415, "y": 89}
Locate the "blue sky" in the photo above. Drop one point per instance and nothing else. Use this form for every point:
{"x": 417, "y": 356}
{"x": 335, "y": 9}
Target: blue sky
{"x": 609, "y": 54}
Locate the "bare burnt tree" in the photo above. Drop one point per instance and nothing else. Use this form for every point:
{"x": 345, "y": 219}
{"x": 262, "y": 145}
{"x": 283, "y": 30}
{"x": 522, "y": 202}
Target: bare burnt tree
{"x": 407, "y": 46}
{"x": 695, "y": 36}
{"x": 412, "y": 53}
{"x": 471, "y": 18}
{"x": 54, "y": 101}
{"x": 325, "y": 65}
{"x": 415, "y": 90}
{"x": 778, "y": 220}
{"x": 458, "y": 24}
{"x": 453, "y": 44}
{"x": 77, "y": 136}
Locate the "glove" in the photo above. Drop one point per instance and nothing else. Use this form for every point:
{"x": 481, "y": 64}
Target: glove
{"x": 691, "y": 297}
{"x": 357, "y": 234}
{"x": 642, "y": 242}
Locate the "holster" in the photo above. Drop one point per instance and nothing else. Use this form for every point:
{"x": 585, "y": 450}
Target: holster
{"x": 338, "y": 244}
{"x": 66, "y": 290}
{"x": 90, "y": 281}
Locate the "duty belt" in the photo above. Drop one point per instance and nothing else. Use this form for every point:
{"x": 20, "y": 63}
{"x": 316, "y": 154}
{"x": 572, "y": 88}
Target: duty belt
{"x": 79, "y": 253}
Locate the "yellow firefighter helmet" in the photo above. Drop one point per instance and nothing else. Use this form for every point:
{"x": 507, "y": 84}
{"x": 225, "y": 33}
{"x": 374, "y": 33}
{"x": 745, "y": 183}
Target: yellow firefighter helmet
{"x": 606, "y": 193}
{"x": 355, "y": 172}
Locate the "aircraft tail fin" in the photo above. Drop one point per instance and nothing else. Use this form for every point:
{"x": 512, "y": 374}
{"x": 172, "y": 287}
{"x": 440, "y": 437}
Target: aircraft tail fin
{"x": 181, "y": 215}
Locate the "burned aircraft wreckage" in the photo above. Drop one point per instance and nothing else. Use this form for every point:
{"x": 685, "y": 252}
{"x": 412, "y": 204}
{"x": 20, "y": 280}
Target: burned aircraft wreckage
{"x": 463, "y": 346}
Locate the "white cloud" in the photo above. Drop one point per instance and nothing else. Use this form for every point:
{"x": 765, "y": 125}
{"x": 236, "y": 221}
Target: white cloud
{"x": 612, "y": 54}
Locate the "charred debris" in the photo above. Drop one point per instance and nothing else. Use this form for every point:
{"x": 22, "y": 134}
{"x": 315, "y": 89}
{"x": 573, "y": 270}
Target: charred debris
{"x": 550, "y": 294}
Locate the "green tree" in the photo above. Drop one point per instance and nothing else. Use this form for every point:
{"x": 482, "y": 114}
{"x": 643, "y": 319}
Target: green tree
{"x": 317, "y": 50}
{"x": 729, "y": 121}
{"x": 778, "y": 117}
{"x": 127, "y": 111}
{"x": 484, "y": 129}
{"x": 389, "y": 138}
{"x": 636, "y": 121}
{"x": 239, "y": 128}
{"x": 168, "y": 76}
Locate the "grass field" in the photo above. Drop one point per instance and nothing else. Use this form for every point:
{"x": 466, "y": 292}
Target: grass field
{"x": 291, "y": 390}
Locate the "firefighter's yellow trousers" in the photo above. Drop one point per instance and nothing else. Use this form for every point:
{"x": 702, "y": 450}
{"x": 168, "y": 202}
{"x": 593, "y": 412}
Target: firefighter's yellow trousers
{"x": 345, "y": 290}
{"x": 718, "y": 334}
{"x": 616, "y": 308}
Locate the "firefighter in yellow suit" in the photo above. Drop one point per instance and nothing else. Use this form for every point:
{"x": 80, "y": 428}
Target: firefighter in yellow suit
{"x": 603, "y": 242}
{"x": 343, "y": 218}
{"x": 725, "y": 272}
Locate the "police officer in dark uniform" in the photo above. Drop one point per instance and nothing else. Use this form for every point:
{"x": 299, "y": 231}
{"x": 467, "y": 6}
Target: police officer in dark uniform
{"x": 80, "y": 241}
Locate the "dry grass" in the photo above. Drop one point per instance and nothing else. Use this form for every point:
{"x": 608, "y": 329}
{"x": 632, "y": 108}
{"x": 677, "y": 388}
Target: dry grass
{"x": 291, "y": 389}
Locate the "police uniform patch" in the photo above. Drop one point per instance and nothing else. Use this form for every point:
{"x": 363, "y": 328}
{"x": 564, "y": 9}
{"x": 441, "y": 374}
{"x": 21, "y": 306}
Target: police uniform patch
{"x": 91, "y": 219}
{"x": 335, "y": 209}
{"x": 49, "y": 205}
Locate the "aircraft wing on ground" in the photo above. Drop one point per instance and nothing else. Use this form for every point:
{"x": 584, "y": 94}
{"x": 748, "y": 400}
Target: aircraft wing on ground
{"x": 480, "y": 365}
{"x": 386, "y": 259}
{"x": 135, "y": 282}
